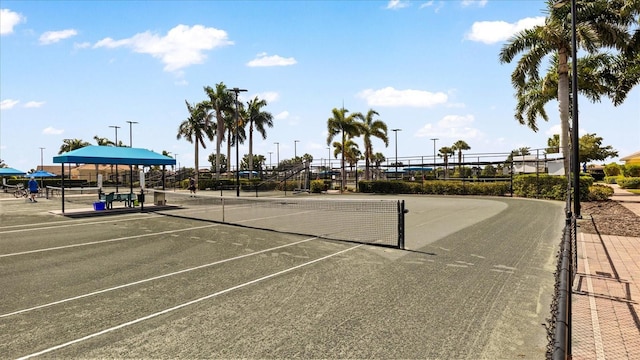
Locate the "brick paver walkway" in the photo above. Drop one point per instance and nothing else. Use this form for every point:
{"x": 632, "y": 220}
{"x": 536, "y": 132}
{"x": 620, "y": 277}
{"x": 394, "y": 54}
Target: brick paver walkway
{"x": 606, "y": 296}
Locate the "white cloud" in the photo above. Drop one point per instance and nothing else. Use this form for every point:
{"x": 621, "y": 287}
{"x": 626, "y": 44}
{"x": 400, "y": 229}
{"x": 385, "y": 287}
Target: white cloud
{"x": 51, "y": 37}
{"x": 82, "y": 45}
{"x": 397, "y": 4}
{"x": 451, "y": 127}
{"x": 274, "y": 60}
{"x": 52, "y": 131}
{"x": 9, "y": 20}
{"x": 181, "y": 47}
{"x": 8, "y": 104}
{"x": 269, "y": 96}
{"x": 282, "y": 115}
{"x": 34, "y": 104}
{"x": 491, "y": 32}
{"x": 413, "y": 98}
{"x": 478, "y": 3}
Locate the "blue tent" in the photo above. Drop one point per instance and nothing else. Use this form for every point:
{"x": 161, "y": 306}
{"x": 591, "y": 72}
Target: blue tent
{"x": 113, "y": 155}
{"x": 42, "y": 174}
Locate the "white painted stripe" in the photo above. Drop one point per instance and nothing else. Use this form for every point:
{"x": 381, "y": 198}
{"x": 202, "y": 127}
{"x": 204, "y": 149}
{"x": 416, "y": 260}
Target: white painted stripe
{"x": 597, "y": 335}
{"x": 108, "y": 241}
{"x": 35, "y": 227}
{"x": 150, "y": 316}
{"x": 153, "y": 278}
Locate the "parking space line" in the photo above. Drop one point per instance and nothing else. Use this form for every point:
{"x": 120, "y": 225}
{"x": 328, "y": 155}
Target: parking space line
{"x": 150, "y": 316}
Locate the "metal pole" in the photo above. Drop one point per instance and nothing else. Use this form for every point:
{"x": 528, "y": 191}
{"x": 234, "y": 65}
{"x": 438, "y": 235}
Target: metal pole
{"x": 396, "y": 136}
{"x": 236, "y": 91}
{"x": 574, "y": 114}
{"x": 277, "y": 158}
{"x": 270, "y": 166}
{"x": 295, "y": 151}
{"x": 434, "y": 157}
{"x": 131, "y": 132}
{"x": 116, "y": 144}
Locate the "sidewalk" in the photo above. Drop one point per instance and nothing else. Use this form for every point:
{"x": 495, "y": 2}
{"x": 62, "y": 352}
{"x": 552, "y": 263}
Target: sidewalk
{"x": 606, "y": 293}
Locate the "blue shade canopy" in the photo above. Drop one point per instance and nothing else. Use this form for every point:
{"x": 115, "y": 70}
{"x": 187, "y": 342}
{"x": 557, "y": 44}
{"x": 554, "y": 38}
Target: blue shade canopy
{"x": 418, "y": 168}
{"x": 10, "y": 172}
{"x": 111, "y": 155}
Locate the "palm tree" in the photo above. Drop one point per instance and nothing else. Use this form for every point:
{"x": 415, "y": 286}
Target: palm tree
{"x": 459, "y": 146}
{"x": 345, "y": 125}
{"x": 351, "y": 154}
{"x": 600, "y": 24}
{"x": 222, "y": 103}
{"x": 69, "y": 145}
{"x": 378, "y": 158}
{"x": 100, "y": 141}
{"x": 553, "y": 144}
{"x": 371, "y": 128}
{"x": 196, "y": 127}
{"x": 231, "y": 125}
{"x": 445, "y": 152}
{"x": 261, "y": 119}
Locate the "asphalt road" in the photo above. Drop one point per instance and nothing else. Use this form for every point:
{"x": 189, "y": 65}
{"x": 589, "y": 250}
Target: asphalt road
{"x": 475, "y": 282}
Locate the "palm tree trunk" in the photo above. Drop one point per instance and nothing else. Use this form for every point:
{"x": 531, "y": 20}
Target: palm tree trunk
{"x": 563, "y": 104}
{"x": 229, "y": 149}
{"x": 196, "y": 163}
{"x": 342, "y": 163}
{"x": 366, "y": 166}
{"x": 219, "y": 134}
{"x": 250, "y": 150}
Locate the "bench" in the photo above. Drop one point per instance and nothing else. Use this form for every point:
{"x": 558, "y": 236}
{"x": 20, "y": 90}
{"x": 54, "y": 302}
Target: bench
{"x": 111, "y": 197}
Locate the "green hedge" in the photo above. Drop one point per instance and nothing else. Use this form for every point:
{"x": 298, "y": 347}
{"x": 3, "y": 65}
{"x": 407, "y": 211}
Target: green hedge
{"x": 629, "y": 182}
{"x": 434, "y": 187}
{"x": 548, "y": 186}
{"x": 598, "y": 192}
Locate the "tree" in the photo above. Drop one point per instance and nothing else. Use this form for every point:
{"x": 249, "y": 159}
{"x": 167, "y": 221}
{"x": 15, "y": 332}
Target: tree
{"x": 72, "y": 144}
{"x": 223, "y": 161}
{"x": 351, "y": 152}
{"x": 459, "y": 146}
{"x": 591, "y": 149}
{"x": 248, "y": 163}
{"x": 553, "y": 144}
{"x": 222, "y": 103}
{"x": 602, "y": 26}
{"x": 195, "y": 128}
{"x": 371, "y": 128}
{"x": 345, "y": 125}
{"x": 261, "y": 120}
{"x": 444, "y": 152}
{"x": 100, "y": 141}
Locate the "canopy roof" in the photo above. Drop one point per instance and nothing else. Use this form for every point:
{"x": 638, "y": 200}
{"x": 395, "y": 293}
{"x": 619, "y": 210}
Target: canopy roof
{"x": 7, "y": 171}
{"x": 112, "y": 155}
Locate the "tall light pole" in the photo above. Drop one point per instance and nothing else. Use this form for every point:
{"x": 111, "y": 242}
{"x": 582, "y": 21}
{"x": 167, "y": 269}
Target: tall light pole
{"x": 236, "y": 91}
{"x": 295, "y": 152}
{"x": 277, "y": 153}
{"x": 329, "y": 169}
{"x": 270, "y": 166}
{"x": 434, "y": 156}
{"x": 41, "y": 159}
{"x": 116, "y": 128}
{"x": 131, "y": 132}
{"x": 575, "y": 146}
{"x": 396, "y": 136}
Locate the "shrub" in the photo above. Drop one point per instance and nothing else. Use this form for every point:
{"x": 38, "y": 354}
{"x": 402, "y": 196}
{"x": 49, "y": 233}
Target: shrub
{"x": 317, "y": 186}
{"x": 632, "y": 170}
{"x": 599, "y": 192}
{"x": 548, "y": 186}
{"x": 629, "y": 183}
{"x": 612, "y": 169}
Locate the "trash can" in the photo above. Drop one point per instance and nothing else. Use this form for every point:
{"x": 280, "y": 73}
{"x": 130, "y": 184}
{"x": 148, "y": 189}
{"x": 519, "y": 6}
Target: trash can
{"x": 158, "y": 198}
{"x": 99, "y": 205}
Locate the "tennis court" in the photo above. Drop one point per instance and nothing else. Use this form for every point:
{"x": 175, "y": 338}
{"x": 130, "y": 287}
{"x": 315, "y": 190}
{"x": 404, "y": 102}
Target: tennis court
{"x": 474, "y": 282}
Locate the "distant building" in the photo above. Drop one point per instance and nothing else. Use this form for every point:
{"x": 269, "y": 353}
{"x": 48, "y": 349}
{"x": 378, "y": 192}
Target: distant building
{"x": 633, "y": 159}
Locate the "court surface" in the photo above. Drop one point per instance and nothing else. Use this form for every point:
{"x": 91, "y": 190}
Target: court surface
{"x": 475, "y": 282}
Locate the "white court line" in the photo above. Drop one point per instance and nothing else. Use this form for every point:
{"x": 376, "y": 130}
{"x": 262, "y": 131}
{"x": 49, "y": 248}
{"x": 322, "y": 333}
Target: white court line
{"x": 107, "y": 241}
{"x": 33, "y": 227}
{"x": 597, "y": 335}
{"x": 152, "y": 279}
{"x": 132, "y": 322}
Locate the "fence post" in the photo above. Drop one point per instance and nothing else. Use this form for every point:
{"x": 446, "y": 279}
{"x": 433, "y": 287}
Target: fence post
{"x": 401, "y": 211}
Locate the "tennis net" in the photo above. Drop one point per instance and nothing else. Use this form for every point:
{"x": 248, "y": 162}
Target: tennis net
{"x": 379, "y": 222}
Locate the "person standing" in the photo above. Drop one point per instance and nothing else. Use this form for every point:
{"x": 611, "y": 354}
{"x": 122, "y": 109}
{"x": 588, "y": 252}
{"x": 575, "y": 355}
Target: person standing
{"x": 192, "y": 185}
{"x": 33, "y": 189}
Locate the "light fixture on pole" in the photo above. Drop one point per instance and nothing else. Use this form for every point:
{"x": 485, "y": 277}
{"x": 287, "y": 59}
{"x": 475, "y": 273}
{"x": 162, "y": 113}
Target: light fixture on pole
{"x": 434, "y": 156}
{"x": 236, "y": 91}
{"x": 396, "y": 136}
{"x": 116, "y": 144}
{"x": 131, "y": 132}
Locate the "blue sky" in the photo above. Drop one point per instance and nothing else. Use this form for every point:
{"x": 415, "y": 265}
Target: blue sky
{"x": 72, "y": 69}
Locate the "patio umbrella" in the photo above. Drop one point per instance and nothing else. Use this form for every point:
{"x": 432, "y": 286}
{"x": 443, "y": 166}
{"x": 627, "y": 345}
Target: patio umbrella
{"x": 7, "y": 171}
{"x": 42, "y": 174}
